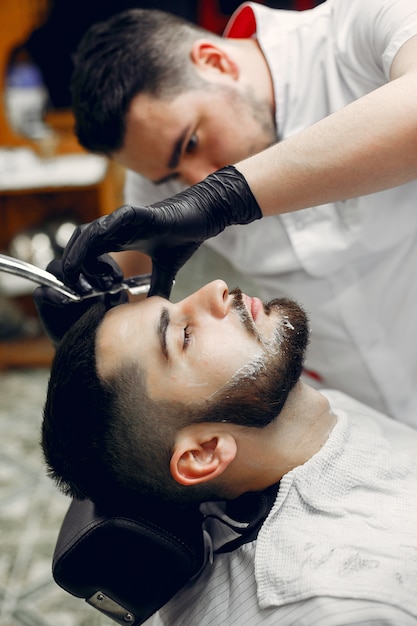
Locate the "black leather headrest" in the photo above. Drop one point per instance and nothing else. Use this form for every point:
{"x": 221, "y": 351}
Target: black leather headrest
{"x": 137, "y": 560}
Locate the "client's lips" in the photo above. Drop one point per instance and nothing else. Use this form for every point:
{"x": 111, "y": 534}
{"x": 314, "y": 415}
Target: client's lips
{"x": 254, "y": 305}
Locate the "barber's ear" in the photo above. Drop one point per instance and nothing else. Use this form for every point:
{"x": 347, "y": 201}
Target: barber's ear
{"x": 209, "y": 57}
{"x": 199, "y": 457}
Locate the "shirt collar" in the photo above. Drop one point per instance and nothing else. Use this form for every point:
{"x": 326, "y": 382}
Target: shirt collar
{"x": 242, "y": 24}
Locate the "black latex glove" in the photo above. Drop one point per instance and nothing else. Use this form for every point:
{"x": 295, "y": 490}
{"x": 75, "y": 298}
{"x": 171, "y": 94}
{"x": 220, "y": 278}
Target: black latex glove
{"x": 58, "y": 313}
{"x": 169, "y": 231}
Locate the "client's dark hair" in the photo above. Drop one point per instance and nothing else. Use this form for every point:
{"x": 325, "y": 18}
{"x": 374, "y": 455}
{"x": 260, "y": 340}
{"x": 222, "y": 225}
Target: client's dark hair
{"x": 136, "y": 51}
{"x": 74, "y": 423}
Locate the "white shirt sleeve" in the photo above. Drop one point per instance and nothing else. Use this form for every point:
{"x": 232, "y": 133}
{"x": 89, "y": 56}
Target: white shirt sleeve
{"x": 370, "y": 33}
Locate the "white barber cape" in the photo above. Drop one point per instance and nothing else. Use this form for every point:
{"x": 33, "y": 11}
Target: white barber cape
{"x": 351, "y": 264}
{"x": 338, "y": 547}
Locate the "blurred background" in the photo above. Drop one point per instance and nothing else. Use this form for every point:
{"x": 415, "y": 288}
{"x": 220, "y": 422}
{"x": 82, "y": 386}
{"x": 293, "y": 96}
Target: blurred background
{"x": 48, "y": 184}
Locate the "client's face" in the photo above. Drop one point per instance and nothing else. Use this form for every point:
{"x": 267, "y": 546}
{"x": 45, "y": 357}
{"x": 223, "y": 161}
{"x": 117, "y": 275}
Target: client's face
{"x": 191, "y": 349}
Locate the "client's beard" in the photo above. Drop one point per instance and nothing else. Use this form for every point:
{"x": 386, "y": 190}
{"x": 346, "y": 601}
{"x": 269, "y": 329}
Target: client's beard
{"x": 256, "y": 394}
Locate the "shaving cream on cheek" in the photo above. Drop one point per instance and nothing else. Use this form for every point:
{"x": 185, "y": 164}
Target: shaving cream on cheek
{"x": 249, "y": 371}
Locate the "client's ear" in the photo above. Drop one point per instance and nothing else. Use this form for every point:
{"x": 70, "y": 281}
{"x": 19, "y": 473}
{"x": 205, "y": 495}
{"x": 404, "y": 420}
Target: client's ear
{"x": 201, "y": 454}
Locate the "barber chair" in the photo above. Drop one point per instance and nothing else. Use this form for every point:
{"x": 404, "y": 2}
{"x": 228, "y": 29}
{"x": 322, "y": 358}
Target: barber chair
{"x": 130, "y": 563}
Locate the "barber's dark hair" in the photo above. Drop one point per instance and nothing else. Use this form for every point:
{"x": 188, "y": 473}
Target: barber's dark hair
{"x": 136, "y": 51}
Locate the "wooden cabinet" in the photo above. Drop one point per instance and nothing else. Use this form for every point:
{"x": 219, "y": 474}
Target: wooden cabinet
{"x": 22, "y": 209}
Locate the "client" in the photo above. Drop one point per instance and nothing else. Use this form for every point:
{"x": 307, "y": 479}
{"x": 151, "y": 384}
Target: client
{"x": 203, "y": 401}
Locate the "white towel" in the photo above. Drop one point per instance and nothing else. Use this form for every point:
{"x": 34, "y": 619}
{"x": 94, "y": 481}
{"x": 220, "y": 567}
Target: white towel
{"x": 344, "y": 524}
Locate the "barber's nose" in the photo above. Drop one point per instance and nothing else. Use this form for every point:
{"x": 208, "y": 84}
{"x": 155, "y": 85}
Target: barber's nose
{"x": 213, "y": 298}
{"x": 194, "y": 172}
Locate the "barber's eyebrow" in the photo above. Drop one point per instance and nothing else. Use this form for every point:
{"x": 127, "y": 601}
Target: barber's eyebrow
{"x": 162, "y": 331}
{"x": 174, "y": 158}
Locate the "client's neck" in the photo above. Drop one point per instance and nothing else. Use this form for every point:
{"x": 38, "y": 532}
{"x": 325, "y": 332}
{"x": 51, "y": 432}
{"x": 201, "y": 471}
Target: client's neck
{"x": 304, "y": 425}
{"x": 298, "y": 432}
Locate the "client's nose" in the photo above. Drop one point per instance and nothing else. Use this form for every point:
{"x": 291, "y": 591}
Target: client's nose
{"x": 212, "y": 298}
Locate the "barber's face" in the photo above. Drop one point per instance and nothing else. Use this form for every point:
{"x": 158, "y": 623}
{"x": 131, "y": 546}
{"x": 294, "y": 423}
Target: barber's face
{"x": 189, "y": 137}
{"x": 191, "y": 349}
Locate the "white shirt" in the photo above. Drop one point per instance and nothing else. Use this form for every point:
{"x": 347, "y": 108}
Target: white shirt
{"x": 350, "y": 264}
{"x": 338, "y": 547}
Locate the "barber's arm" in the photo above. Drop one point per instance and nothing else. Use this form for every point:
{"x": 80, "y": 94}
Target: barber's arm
{"x": 368, "y": 146}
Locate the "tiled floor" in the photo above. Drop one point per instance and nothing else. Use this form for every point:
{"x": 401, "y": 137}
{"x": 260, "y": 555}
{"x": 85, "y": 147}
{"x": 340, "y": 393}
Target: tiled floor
{"x": 31, "y": 509}
{"x": 31, "y": 512}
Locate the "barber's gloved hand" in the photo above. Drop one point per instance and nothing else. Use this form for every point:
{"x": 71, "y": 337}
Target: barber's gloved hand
{"x": 58, "y": 313}
{"x": 169, "y": 231}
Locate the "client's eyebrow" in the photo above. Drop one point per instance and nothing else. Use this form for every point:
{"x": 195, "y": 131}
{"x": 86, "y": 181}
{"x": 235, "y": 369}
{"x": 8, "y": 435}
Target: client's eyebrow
{"x": 162, "y": 331}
